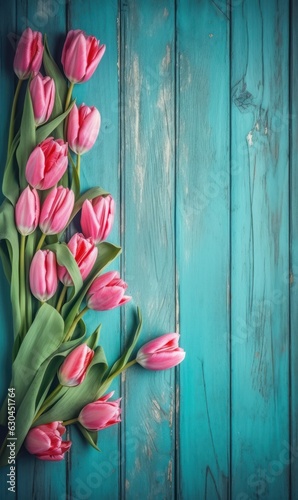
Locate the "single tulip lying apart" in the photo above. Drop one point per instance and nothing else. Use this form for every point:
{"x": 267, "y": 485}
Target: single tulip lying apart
{"x": 45, "y": 441}
{"x": 73, "y": 370}
{"x": 161, "y": 353}
{"x": 101, "y": 414}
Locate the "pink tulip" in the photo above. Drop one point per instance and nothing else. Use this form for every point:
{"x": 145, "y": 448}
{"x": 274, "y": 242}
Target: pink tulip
{"x": 44, "y": 441}
{"x": 100, "y": 414}
{"x": 42, "y": 90}
{"x": 43, "y": 275}
{"x": 107, "y": 291}
{"x": 97, "y": 217}
{"x": 28, "y": 57}
{"x": 73, "y": 370}
{"x": 81, "y": 55}
{"x": 85, "y": 254}
{"x": 56, "y": 210}
{"x": 82, "y": 128}
{"x": 47, "y": 163}
{"x": 161, "y": 353}
{"x": 27, "y": 211}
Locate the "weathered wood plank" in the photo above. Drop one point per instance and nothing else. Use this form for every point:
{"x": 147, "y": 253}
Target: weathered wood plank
{"x": 260, "y": 252}
{"x": 93, "y": 474}
{"x": 147, "y": 66}
{"x": 203, "y": 246}
{"x": 38, "y": 479}
{"x": 294, "y": 247}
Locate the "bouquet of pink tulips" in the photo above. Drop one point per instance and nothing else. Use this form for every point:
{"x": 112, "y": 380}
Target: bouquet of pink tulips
{"x": 60, "y": 376}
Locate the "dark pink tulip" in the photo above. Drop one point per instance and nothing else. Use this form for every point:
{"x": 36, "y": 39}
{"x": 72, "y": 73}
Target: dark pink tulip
{"x": 97, "y": 217}
{"x": 56, "y": 210}
{"x": 81, "y": 55}
{"x": 100, "y": 414}
{"x": 28, "y": 57}
{"x": 73, "y": 370}
{"x": 107, "y": 291}
{"x": 82, "y": 128}
{"x": 161, "y": 353}
{"x": 45, "y": 442}
{"x": 43, "y": 275}
{"x": 27, "y": 211}
{"x": 42, "y": 90}
{"x": 85, "y": 254}
{"x": 47, "y": 163}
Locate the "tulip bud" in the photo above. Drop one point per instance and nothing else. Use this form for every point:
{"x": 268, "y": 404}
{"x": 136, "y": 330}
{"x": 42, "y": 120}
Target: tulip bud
{"x": 56, "y": 210}
{"x": 161, "y": 353}
{"x": 43, "y": 275}
{"x": 73, "y": 370}
{"x": 42, "y": 90}
{"x": 47, "y": 163}
{"x": 97, "y": 217}
{"x": 81, "y": 55}
{"x": 82, "y": 128}
{"x": 27, "y": 211}
{"x": 100, "y": 414}
{"x": 106, "y": 292}
{"x": 28, "y": 57}
{"x": 44, "y": 441}
{"x": 85, "y": 254}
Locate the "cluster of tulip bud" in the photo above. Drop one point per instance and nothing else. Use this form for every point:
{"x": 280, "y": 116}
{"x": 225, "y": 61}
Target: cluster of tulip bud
{"x": 50, "y": 212}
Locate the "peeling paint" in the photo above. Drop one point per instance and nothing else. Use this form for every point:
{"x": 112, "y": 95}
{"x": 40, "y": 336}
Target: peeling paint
{"x": 249, "y": 138}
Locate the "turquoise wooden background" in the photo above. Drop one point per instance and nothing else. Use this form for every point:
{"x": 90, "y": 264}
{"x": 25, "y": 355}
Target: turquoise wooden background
{"x": 199, "y": 147}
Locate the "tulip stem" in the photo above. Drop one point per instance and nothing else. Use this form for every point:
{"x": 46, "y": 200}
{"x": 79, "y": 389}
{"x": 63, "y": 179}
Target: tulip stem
{"x": 71, "y": 421}
{"x": 41, "y": 241}
{"x": 110, "y": 379}
{"x": 61, "y": 298}
{"x": 23, "y": 285}
{"x": 68, "y": 96}
{"x": 73, "y": 326}
{"x": 79, "y": 165}
{"x": 13, "y": 114}
{"x": 47, "y": 402}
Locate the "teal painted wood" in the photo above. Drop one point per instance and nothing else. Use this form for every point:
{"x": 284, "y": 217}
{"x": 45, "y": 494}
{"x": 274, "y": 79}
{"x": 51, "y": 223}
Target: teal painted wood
{"x": 294, "y": 247}
{"x": 203, "y": 247}
{"x": 147, "y": 65}
{"x": 260, "y": 250}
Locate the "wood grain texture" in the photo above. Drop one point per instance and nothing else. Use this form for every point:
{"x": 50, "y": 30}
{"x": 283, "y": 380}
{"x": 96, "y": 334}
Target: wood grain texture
{"x": 203, "y": 247}
{"x": 260, "y": 250}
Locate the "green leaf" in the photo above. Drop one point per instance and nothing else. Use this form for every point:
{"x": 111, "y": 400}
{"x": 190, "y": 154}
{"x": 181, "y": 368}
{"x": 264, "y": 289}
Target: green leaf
{"x": 88, "y": 195}
{"x": 10, "y": 184}
{"x": 54, "y": 72}
{"x": 10, "y": 252}
{"x": 27, "y": 138}
{"x": 75, "y": 398}
{"x": 65, "y": 258}
{"x": 123, "y": 360}
{"x": 45, "y": 130}
{"x": 106, "y": 254}
{"x": 93, "y": 339}
{"x": 90, "y": 436}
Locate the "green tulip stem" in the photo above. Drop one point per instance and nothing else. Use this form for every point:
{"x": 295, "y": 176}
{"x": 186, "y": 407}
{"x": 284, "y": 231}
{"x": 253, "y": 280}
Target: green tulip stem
{"x": 73, "y": 326}
{"x": 13, "y": 115}
{"x": 68, "y": 96}
{"x": 110, "y": 379}
{"x": 61, "y": 298}
{"x": 23, "y": 285}
{"x": 78, "y": 165}
{"x": 41, "y": 241}
{"x": 71, "y": 421}
{"x": 47, "y": 402}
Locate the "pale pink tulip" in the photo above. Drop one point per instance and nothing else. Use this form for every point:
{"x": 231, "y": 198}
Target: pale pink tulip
{"x": 161, "y": 353}
{"x": 97, "y": 217}
{"x": 85, "y": 254}
{"x": 56, "y": 210}
{"x": 27, "y": 211}
{"x": 47, "y": 163}
{"x": 107, "y": 292}
{"x": 82, "y": 128}
{"x": 43, "y": 275}
{"x": 28, "y": 57}
{"x": 45, "y": 442}
{"x": 74, "y": 368}
{"x": 100, "y": 414}
{"x": 42, "y": 90}
{"x": 81, "y": 55}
